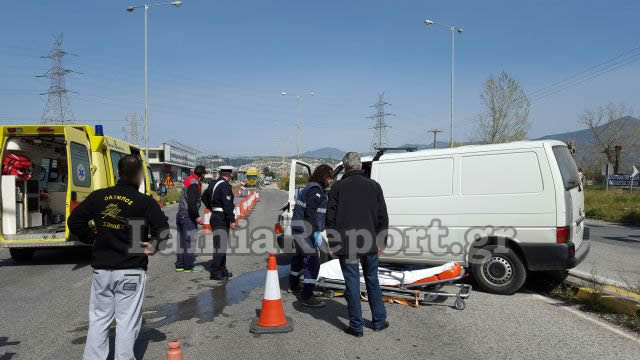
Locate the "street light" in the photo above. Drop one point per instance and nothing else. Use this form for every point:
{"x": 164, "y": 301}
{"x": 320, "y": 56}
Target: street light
{"x": 146, "y": 7}
{"x": 284, "y": 93}
{"x": 453, "y": 29}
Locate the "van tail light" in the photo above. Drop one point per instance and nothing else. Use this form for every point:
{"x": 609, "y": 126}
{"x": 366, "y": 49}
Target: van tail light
{"x": 14, "y": 130}
{"x": 277, "y": 228}
{"x": 562, "y": 235}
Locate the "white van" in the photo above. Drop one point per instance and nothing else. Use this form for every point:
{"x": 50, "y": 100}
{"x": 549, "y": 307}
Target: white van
{"x": 501, "y": 210}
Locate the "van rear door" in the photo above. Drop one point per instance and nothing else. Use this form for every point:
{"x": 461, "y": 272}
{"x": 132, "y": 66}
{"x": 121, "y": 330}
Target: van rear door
{"x": 573, "y": 194}
{"x": 79, "y": 167}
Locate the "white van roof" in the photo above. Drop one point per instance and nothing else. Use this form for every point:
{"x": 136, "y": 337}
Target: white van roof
{"x": 465, "y": 149}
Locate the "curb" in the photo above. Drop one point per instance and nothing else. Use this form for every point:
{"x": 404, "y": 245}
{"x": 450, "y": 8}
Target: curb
{"x": 597, "y": 290}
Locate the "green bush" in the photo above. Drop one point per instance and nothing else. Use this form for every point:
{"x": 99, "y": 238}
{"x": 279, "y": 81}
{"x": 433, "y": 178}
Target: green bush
{"x": 617, "y": 205}
{"x": 172, "y": 195}
{"x": 283, "y": 183}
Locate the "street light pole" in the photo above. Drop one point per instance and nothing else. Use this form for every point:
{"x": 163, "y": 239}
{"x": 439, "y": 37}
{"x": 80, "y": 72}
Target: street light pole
{"x": 453, "y": 72}
{"x": 146, "y": 7}
{"x": 146, "y": 90}
{"x": 453, "y": 29}
{"x": 297, "y": 127}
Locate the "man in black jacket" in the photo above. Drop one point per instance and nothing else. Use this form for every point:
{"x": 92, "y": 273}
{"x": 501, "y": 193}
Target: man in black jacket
{"x": 123, "y": 218}
{"x": 357, "y": 223}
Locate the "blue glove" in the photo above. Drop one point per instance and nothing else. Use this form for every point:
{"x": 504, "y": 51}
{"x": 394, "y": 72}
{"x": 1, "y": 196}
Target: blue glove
{"x": 317, "y": 238}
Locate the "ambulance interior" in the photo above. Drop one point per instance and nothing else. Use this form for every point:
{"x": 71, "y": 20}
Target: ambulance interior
{"x": 34, "y": 197}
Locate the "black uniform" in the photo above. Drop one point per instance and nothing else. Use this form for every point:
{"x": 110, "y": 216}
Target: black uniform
{"x": 112, "y": 209}
{"x": 220, "y": 203}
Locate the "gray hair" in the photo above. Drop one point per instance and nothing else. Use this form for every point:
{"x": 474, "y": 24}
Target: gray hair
{"x": 351, "y": 161}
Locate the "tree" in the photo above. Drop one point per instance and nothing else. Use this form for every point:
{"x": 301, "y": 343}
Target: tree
{"x": 611, "y": 131}
{"x": 507, "y": 111}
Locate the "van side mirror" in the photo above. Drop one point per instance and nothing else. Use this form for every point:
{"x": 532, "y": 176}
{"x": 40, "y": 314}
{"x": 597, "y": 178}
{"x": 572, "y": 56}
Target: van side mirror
{"x": 163, "y": 190}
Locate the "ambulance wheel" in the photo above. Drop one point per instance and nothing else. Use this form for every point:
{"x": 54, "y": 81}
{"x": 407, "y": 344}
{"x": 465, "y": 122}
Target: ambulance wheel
{"x": 459, "y": 304}
{"x": 21, "y": 255}
{"x": 499, "y": 272}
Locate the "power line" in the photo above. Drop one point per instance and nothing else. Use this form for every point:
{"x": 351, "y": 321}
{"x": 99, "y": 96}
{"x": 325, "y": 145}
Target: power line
{"x": 58, "y": 107}
{"x": 380, "y": 126}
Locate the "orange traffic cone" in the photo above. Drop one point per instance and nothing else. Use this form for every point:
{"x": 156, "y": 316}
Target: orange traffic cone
{"x": 272, "y": 319}
{"x": 206, "y": 227}
{"x": 174, "y": 352}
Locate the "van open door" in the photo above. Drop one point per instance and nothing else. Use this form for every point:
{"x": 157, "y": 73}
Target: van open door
{"x": 79, "y": 169}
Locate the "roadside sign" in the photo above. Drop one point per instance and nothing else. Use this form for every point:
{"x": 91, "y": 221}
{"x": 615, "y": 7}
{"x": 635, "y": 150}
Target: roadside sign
{"x": 635, "y": 172}
{"x": 623, "y": 180}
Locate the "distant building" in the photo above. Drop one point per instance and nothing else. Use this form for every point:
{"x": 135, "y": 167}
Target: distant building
{"x": 171, "y": 162}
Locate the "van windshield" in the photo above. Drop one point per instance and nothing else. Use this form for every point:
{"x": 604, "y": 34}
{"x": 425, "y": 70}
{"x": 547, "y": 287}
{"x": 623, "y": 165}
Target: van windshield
{"x": 568, "y": 168}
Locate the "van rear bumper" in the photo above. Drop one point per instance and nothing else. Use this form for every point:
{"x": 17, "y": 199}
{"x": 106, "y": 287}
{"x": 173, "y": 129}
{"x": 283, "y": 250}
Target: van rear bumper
{"x": 542, "y": 257}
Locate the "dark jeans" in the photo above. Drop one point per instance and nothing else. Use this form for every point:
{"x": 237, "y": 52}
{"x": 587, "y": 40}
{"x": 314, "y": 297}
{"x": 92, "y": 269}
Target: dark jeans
{"x": 220, "y": 241}
{"x": 351, "y": 275}
{"x": 187, "y": 231}
{"x": 305, "y": 262}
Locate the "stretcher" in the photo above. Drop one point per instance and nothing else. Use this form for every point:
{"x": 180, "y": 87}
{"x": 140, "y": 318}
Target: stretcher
{"x": 421, "y": 286}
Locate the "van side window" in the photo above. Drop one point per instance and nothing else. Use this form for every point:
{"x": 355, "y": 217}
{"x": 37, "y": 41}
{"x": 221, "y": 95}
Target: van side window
{"x": 417, "y": 178}
{"x": 115, "y": 157}
{"x": 567, "y": 165}
{"x": 80, "y": 165}
{"x": 519, "y": 174}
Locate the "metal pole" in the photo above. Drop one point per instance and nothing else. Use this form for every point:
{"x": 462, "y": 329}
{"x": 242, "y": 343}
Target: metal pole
{"x": 146, "y": 90}
{"x": 453, "y": 45}
{"x": 297, "y": 127}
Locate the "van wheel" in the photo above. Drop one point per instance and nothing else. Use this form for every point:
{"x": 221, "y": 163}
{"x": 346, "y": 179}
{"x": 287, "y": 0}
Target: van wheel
{"x": 21, "y": 255}
{"x": 502, "y": 272}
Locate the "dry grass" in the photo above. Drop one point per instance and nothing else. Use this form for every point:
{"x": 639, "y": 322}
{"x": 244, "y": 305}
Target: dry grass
{"x": 616, "y": 205}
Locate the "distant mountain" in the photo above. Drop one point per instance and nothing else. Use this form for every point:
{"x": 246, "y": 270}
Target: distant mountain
{"x": 324, "y": 153}
{"x": 585, "y": 137}
{"x": 439, "y": 145}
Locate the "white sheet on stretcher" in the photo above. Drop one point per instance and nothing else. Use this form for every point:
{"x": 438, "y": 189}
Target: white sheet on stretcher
{"x": 332, "y": 270}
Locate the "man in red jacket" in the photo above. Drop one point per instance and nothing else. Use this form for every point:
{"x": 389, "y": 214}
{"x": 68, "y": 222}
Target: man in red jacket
{"x": 188, "y": 219}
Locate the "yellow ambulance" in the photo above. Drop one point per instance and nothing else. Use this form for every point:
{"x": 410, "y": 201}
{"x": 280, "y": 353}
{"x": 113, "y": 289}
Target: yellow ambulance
{"x": 46, "y": 171}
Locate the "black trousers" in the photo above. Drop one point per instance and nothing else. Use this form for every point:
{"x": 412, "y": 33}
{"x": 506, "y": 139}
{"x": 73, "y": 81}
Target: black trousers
{"x": 220, "y": 227}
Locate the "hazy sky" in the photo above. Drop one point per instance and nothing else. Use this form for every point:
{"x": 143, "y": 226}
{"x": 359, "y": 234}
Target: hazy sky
{"x": 217, "y": 67}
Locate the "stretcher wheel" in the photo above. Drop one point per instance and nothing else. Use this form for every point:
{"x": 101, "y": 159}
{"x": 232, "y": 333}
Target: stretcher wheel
{"x": 329, "y": 294}
{"x": 459, "y": 304}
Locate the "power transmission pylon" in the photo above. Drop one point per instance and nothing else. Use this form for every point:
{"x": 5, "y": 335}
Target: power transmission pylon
{"x": 380, "y": 126}
{"x": 133, "y": 128}
{"x": 435, "y": 134}
{"x": 58, "y": 108}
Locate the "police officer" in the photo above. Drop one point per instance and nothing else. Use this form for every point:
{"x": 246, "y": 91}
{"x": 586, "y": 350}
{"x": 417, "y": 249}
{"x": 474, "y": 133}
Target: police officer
{"x": 187, "y": 220}
{"x": 218, "y": 198}
{"x": 123, "y": 218}
{"x": 308, "y": 222}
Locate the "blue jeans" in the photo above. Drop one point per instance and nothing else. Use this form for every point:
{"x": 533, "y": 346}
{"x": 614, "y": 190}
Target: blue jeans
{"x": 188, "y": 239}
{"x": 351, "y": 274}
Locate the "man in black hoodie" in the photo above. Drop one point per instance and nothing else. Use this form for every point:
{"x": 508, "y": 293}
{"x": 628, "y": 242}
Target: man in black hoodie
{"x": 123, "y": 218}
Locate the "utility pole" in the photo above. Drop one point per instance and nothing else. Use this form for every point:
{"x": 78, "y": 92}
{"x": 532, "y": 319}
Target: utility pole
{"x": 380, "y": 126}
{"x": 58, "y": 108}
{"x": 435, "y": 134}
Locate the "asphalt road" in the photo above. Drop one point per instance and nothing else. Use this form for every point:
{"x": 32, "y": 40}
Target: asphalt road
{"x": 43, "y": 312}
{"x": 615, "y": 252}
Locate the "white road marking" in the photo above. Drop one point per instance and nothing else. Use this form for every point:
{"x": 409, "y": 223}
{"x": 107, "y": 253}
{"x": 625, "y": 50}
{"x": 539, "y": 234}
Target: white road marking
{"x": 589, "y": 318}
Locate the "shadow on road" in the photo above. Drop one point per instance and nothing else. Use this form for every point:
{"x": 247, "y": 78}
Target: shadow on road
{"x": 4, "y": 342}
{"x": 80, "y": 256}
{"x": 332, "y": 313}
